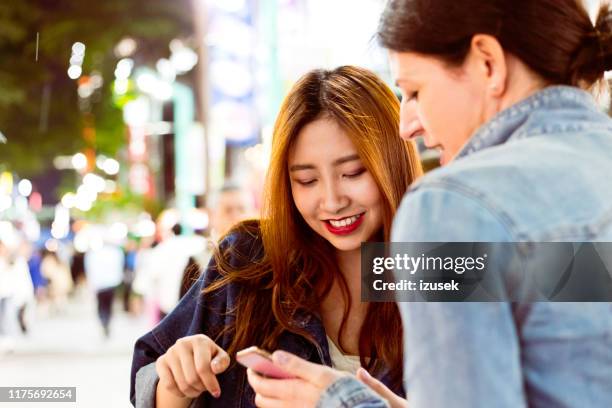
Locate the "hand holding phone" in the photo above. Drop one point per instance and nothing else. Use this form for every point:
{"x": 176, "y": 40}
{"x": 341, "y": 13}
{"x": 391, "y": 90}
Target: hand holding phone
{"x": 261, "y": 362}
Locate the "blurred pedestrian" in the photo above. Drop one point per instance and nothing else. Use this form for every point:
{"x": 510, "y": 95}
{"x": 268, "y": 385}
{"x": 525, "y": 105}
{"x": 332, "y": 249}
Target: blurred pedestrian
{"x": 59, "y": 281}
{"x": 39, "y": 282}
{"x": 145, "y": 283}
{"x": 171, "y": 257}
{"x": 6, "y": 291}
{"x": 23, "y": 296}
{"x": 104, "y": 271}
{"x": 129, "y": 272}
{"x": 77, "y": 268}
{"x": 230, "y": 205}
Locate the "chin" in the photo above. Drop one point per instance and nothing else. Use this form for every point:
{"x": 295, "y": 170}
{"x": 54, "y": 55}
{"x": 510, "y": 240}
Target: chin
{"x": 345, "y": 244}
{"x": 347, "y": 248}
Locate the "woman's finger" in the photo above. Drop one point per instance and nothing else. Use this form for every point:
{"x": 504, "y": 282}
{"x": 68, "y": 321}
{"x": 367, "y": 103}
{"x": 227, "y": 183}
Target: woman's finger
{"x": 291, "y": 390}
{"x": 381, "y": 389}
{"x": 316, "y": 374}
{"x": 188, "y": 367}
{"x": 265, "y": 402}
{"x": 176, "y": 367}
{"x": 202, "y": 364}
{"x": 166, "y": 378}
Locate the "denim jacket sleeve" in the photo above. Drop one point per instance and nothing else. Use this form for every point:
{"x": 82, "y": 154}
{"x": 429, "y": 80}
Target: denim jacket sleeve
{"x": 155, "y": 343}
{"x": 194, "y": 314}
{"x": 457, "y": 354}
{"x": 349, "y": 392}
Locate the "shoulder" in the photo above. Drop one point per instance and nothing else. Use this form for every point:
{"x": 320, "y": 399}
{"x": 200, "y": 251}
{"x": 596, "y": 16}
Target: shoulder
{"x": 441, "y": 214}
{"x": 242, "y": 245}
{"x": 454, "y": 203}
{"x": 484, "y": 195}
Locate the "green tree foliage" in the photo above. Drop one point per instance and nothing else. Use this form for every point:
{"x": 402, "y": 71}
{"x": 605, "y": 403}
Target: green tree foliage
{"x": 35, "y": 133}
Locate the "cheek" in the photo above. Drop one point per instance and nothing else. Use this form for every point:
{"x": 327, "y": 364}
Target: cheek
{"x": 366, "y": 193}
{"x": 304, "y": 202}
{"x": 450, "y": 112}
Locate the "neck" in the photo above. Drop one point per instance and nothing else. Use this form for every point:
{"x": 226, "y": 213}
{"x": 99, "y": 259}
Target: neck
{"x": 332, "y": 307}
{"x": 349, "y": 263}
{"x": 522, "y": 82}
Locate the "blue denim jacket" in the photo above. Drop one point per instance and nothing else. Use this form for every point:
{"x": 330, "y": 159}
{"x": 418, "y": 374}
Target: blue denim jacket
{"x": 209, "y": 314}
{"x": 539, "y": 171}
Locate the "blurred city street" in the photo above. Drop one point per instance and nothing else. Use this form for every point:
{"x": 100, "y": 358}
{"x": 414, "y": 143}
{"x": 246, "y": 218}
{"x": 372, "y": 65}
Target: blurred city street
{"x": 140, "y": 139}
{"x": 70, "y": 351}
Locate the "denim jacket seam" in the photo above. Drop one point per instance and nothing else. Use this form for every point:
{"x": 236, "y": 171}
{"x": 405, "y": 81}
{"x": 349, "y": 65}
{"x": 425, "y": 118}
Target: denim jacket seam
{"x": 571, "y": 233}
{"x": 480, "y": 199}
{"x": 159, "y": 338}
{"x": 549, "y": 129}
{"x": 576, "y": 233}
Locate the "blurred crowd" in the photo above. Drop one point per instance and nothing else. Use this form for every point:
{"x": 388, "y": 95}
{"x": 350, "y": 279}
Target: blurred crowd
{"x": 139, "y": 275}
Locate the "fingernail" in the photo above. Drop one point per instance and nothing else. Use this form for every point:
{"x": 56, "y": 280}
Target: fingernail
{"x": 280, "y": 357}
{"x": 216, "y": 394}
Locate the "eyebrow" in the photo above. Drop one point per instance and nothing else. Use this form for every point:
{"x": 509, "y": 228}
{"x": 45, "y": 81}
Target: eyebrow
{"x": 336, "y": 162}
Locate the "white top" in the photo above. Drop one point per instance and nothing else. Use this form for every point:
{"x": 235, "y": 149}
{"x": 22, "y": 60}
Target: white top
{"x": 169, "y": 260}
{"x": 342, "y": 362}
{"x": 104, "y": 267}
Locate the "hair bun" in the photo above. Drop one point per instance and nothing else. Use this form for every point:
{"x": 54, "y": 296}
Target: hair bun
{"x": 595, "y": 54}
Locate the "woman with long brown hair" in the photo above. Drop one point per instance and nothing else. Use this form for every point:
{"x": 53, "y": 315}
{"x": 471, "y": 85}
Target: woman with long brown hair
{"x": 292, "y": 279}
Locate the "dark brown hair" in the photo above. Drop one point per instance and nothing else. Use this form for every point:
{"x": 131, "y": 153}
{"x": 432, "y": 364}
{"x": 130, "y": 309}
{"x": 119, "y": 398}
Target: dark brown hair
{"x": 555, "y": 38}
{"x": 297, "y": 267}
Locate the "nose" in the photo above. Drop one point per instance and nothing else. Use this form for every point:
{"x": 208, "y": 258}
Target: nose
{"x": 410, "y": 125}
{"x": 333, "y": 199}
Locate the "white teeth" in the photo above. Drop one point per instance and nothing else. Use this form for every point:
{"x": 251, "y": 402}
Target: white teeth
{"x": 345, "y": 221}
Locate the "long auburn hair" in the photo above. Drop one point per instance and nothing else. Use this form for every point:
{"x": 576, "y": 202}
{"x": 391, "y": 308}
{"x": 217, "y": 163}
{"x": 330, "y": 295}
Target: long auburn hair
{"x": 297, "y": 267}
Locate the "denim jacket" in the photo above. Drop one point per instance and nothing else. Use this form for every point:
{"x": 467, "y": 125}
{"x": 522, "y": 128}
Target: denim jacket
{"x": 209, "y": 314}
{"x": 539, "y": 171}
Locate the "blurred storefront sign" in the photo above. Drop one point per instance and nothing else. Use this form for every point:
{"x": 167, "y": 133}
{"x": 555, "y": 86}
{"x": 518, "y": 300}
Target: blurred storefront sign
{"x": 231, "y": 41}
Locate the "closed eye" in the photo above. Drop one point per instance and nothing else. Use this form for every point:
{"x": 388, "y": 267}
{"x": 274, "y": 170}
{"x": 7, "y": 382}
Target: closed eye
{"x": 355, "y": 174}
{"x": 305, "y": 182}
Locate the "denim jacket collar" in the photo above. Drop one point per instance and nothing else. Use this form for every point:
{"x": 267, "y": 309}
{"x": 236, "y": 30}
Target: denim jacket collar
{"x": 505, "y": 125}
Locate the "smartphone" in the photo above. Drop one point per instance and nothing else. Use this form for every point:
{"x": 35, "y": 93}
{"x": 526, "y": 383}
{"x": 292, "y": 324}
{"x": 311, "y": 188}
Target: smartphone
{"x": 261, "y": 362}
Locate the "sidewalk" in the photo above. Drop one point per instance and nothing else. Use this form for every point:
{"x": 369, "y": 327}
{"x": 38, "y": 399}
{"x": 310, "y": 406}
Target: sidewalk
{"x": 70, "y": 351}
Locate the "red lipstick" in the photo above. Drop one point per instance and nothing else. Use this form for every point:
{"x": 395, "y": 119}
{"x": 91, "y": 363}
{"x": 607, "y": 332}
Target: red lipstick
{"x": 346, "y": 229}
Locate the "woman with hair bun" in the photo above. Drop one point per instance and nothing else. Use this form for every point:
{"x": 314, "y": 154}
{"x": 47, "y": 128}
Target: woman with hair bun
{"x": 499, "y": 87}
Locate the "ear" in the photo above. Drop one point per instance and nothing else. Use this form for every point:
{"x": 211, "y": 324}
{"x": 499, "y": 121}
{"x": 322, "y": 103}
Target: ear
{"x": 489, "y": 59}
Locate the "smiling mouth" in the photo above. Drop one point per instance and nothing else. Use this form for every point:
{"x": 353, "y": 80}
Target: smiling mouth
{"x": 343, "y": 222}
{"x": 345, "y": 225}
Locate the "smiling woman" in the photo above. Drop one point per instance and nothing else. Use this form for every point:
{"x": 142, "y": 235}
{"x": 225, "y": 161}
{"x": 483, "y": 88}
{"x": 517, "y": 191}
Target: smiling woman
{"x": 335, "y": 194}
{"x": 292, "y": 280}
